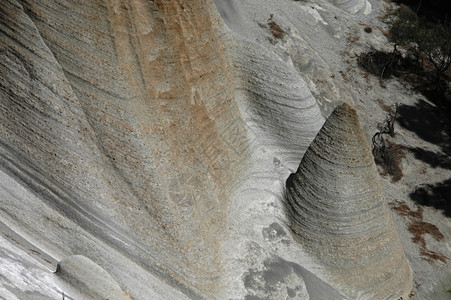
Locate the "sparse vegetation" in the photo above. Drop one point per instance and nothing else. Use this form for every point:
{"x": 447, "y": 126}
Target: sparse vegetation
{"x": 428, "y": 44}
{"x": 352, "y": 37}
{"x": 388, "y": 126}
{"x": 379, "y": 63}
{"x": 402, "y": 24}
{"x": 425, "y": 58}
{"x": 385, "y": 107}
{"x": 387, "y": 154}
{"x": 277, "y": 32}
{"x": 418, "y": 228}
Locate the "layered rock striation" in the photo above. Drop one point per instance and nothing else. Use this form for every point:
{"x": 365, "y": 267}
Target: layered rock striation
{"x": 338, "y": 213}
{"x": 353, "y": 6}
{"x": 122, "y": 119}
{"x": 121, "y": 114}
{"x": 146, "y": 141}
{"x": 85, "y": 275}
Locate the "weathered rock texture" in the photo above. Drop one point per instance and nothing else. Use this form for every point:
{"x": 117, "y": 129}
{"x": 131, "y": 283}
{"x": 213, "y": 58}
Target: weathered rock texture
{"x": 86, "y": 276}
{"x": 149, "y": 138}
{"x": 339, "y": 214}
{"x": 122, "y": 114}
{"x": 123, "y": 118}
{"x": 353, "y": 6}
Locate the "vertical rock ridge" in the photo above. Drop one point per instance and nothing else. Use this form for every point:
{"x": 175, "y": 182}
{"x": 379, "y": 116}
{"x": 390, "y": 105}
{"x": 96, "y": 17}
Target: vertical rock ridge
{"x": 338, "y": 212}
{"x": 142, "y": 116}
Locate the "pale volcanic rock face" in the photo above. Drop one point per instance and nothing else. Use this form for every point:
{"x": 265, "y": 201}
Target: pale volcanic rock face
{"x": 353, "y": 6}
{"x": 125, "y": 114}
{"x": 148, "y": 143}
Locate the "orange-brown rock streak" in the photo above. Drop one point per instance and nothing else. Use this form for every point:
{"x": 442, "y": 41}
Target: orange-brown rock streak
{"x": 153, "y": 83}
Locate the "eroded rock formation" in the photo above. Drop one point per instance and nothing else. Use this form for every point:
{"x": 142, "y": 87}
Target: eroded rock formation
{"x": 339, "y": 214}
{"x": 152, "y": 140}
{"x": 353, "y": 6}
{"x": 124, "y": 116}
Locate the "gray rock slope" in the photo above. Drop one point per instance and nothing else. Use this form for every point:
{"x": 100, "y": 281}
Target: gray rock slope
{"x": 86, "y": 276}
{"x": 339, "y": 214}
{"x": 149, "y": 138}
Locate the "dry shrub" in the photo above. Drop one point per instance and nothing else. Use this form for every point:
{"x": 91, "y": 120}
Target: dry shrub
{"x": 431, "y": 256}
{"x": 418, "y": 228}
{"x": 388, "y": 126}
{"x": 388, "y": 155}
{"x": 379, "y": 63}
{"x": 404, "y": 210}
{"x": 425, "y": 61}
{"x": 385, "y": 107}
{"x": 352, "y": 38}
{"x": 276, "y": 31}
{"x": 346, "y": 74}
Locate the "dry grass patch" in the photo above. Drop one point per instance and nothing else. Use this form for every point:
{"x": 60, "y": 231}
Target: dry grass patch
{"x": 385, "y": 107}
{"x": 418, "y": 228}
{"x": 277, "y": 32}
{"x": 389, "y": 156}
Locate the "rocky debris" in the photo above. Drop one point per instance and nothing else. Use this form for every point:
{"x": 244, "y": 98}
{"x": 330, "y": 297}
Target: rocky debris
{"x": 339, "y": 214}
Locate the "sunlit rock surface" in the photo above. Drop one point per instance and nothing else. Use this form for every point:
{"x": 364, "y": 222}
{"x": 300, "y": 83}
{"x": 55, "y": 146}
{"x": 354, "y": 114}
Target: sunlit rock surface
{"x": 155, "y": 141}
{"x": 353, "y": 6}
{"x": 338, "y": 212}
{"x": 89, "y": 278}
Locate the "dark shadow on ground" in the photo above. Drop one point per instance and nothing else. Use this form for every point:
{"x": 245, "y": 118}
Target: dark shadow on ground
{"x": 434, "y": 195}
{"x": 433, "y": 159}
{"x": 424, "y": 119}
{"x": 431, "y": 9}
{"x": 430, "y": 123}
